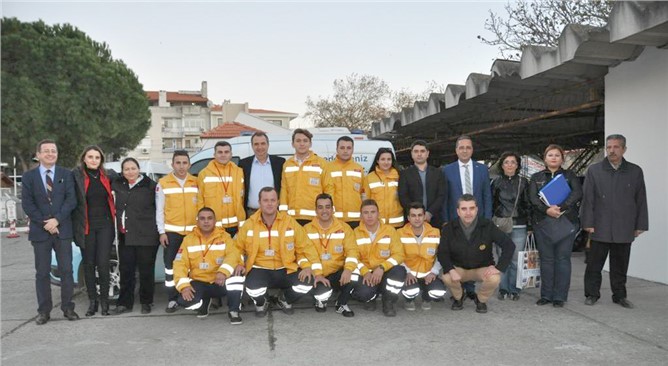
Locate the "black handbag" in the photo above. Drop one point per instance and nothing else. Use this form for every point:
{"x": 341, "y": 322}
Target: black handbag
{"x": 555, "y": 230}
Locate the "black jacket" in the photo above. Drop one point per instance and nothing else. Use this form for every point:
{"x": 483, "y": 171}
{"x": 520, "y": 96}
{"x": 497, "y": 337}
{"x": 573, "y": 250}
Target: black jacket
{"x": 504, "y": 194}
{"x": 614, "y": 202}
{"x": 276, "y": 168}
{"x": 138, "y": 204}
{"x": 572, "y": 203}
{"x": 455, "y": 250}
{"x": 410, "y": 190}
{"x": 79, "y": 213}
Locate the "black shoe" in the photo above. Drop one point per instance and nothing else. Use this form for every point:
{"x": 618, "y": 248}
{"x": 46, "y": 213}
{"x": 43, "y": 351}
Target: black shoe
{"x": 502, "y": 295}
{"x": 284, "y": 305}
{"x": 514, "y": 297}
{"x": 104, "y": 307}
{"x": 203, "y": 310}
{"x": 542, "y": 302}
{"x": 172, "y": 306}
{"x": 320, "y": 306}
{"x": 370, "y": 305}
{"x": 480, "y": 307}
{"x": 235, "y": 319}
{"x": 623, "y": 302}
{"x": 591, "y": 300}
{"x": 458, "y": 304}
{"x": 145, "y": 308}
{"x": 558, "y": 304}
{"x": 344, "y": 310}
{"x": 120, "y": 309}
{"x": 261, "y": 311}
{"x": 70, "y": 315}
{"x": 388, "y": 307}
{"x": 92, "y": 308}
{"x": 42, "y": 318}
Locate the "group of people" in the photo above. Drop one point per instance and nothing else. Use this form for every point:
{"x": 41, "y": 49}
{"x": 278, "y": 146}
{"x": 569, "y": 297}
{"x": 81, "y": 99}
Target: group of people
{"x": 306, "y": 226}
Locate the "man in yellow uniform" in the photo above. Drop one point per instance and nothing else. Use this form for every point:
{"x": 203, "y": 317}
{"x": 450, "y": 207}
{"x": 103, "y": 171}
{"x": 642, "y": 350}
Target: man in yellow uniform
{"x": 176, "y": 216}
{"x": 278, "y": 254}
{"x": 380, "y": 257}
{"x": 348, "y": 182}
{"x": 204, "y": 268}
{"x": 420, "y": 241}
{"x": 335, "y": 243}
{"x": 304, "y": 177}
{"x": 221, "y": 187}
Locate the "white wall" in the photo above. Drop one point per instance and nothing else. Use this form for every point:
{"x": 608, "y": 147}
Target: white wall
{"x": 636, "y": 105}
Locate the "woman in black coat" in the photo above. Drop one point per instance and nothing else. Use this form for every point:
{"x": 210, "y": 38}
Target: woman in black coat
{"x": 138, "y": 236}
{"x": 93, "y": 223}
{"x": 555, "y": 255}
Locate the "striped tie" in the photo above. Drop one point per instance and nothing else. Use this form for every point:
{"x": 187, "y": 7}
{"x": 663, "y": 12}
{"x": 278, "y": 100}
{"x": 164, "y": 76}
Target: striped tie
{"x": 49, "y": 183}
{"x": 467, "y": 180}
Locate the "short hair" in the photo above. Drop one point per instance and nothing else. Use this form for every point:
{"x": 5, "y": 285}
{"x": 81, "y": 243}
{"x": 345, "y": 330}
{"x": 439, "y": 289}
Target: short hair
{"x": 130, "y": 160}
{"x": 304, "y": 132}
{"x": 221, "y": 144}
{"x": 369, "y": 202}
{"x": 551, "y": 147}
{"x": 419, "y": 143}
{"x": 416, "y": 205}
{"x": 88, "y": 148}
{"x": 345, "y": 138}
{"x": 503, "y": 158}
{"x": 44, "y": 142}
{"x": 324, "y": 196}
{"x": 617, "y": 137}
{"x": 266, "y": 189}
{"x": 463, "y": 137}
{"x": 180, "y": 153}
{"x": 466, "y": 197}
{"x": 207, "y": 209}
{"x": 259, "y": 134}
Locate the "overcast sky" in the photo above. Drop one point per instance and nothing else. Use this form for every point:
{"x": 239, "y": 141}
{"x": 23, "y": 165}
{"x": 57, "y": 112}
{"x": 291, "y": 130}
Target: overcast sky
{"x": 275, "y": 54}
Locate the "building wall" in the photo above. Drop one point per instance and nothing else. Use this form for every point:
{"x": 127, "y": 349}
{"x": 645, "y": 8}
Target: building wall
{"x": 636, "y": 105}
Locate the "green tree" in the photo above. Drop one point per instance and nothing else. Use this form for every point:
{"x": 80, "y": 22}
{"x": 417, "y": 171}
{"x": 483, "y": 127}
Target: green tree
{"x": 58, "y": 83}
{"x": 540, "y": 22}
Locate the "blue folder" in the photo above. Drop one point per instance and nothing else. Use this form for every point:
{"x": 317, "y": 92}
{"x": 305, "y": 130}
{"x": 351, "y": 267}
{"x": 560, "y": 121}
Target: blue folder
{"x": 556, "y": 191}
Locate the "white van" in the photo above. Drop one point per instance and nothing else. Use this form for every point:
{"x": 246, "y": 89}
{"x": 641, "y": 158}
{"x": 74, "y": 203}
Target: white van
{"x": 281, "y": 144}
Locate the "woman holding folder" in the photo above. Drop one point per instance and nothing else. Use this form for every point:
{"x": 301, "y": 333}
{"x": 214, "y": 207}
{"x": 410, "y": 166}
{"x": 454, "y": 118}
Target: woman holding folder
{"x": 555, "y": 224}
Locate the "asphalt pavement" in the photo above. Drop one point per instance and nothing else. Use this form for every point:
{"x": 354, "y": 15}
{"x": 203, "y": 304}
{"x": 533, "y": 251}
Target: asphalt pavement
{"x": 511, "y": 333}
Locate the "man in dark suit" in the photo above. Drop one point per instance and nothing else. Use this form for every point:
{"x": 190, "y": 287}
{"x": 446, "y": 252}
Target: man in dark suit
{"x": 48, "y": 198}
{"x": 260, "y": 170}
{"x": 467, "y": 176}
{"x": 423, "y": 183}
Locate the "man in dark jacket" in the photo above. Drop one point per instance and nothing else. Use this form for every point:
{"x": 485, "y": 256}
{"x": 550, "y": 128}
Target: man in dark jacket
{"x": 423, "y": 183}
{"x": 466, "y": 253}
{"x": 260, "y": 170}
{"x": 614, "y": 212}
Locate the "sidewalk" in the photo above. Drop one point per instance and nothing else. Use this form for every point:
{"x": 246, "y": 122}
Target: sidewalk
{"x": 511, "y": 333}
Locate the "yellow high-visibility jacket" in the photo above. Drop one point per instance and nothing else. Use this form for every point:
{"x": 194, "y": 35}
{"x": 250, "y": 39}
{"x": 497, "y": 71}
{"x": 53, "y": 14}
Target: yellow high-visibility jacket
{"x": 420, "y": 257}
{"x": 180, "y": 203}
{"x": 348, "y": 182}
{"x": 386, "y": 250}
{"x": 218, "y": 252}
{"x": 384, "y": 189}
{"x": 221, "y": 188}
{"x": 300, "y": 184}
{"x": 336, "y": 245}
{"x": 292, "y": 249}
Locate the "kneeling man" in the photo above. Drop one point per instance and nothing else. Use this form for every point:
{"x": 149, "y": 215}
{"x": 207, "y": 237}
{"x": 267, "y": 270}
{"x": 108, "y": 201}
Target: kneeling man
{"x": 466, "y": 250}
{"x": 204, "y": 268}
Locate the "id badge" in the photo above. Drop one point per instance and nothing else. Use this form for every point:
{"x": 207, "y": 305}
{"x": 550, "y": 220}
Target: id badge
{"x": 204, "y": 265}
{"x": 431, "y": 251}
{"x": 326, "y": 256}
{"x": 227, "y": 199}
{"x": 314, "y": 181}
{"x": 338, "y": 249}
{"x": 269, "y": 252}
{"x": 384, "y": 253}
{"x": 219, "y": 260}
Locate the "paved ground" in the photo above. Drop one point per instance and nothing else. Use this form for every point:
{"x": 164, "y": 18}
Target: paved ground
{"x": 512, "y": 333}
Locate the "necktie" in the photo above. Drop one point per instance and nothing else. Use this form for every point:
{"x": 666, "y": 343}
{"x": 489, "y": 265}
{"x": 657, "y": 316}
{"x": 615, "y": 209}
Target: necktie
{"x": 49, "y": 183}
{"x": 467, "y": 180}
